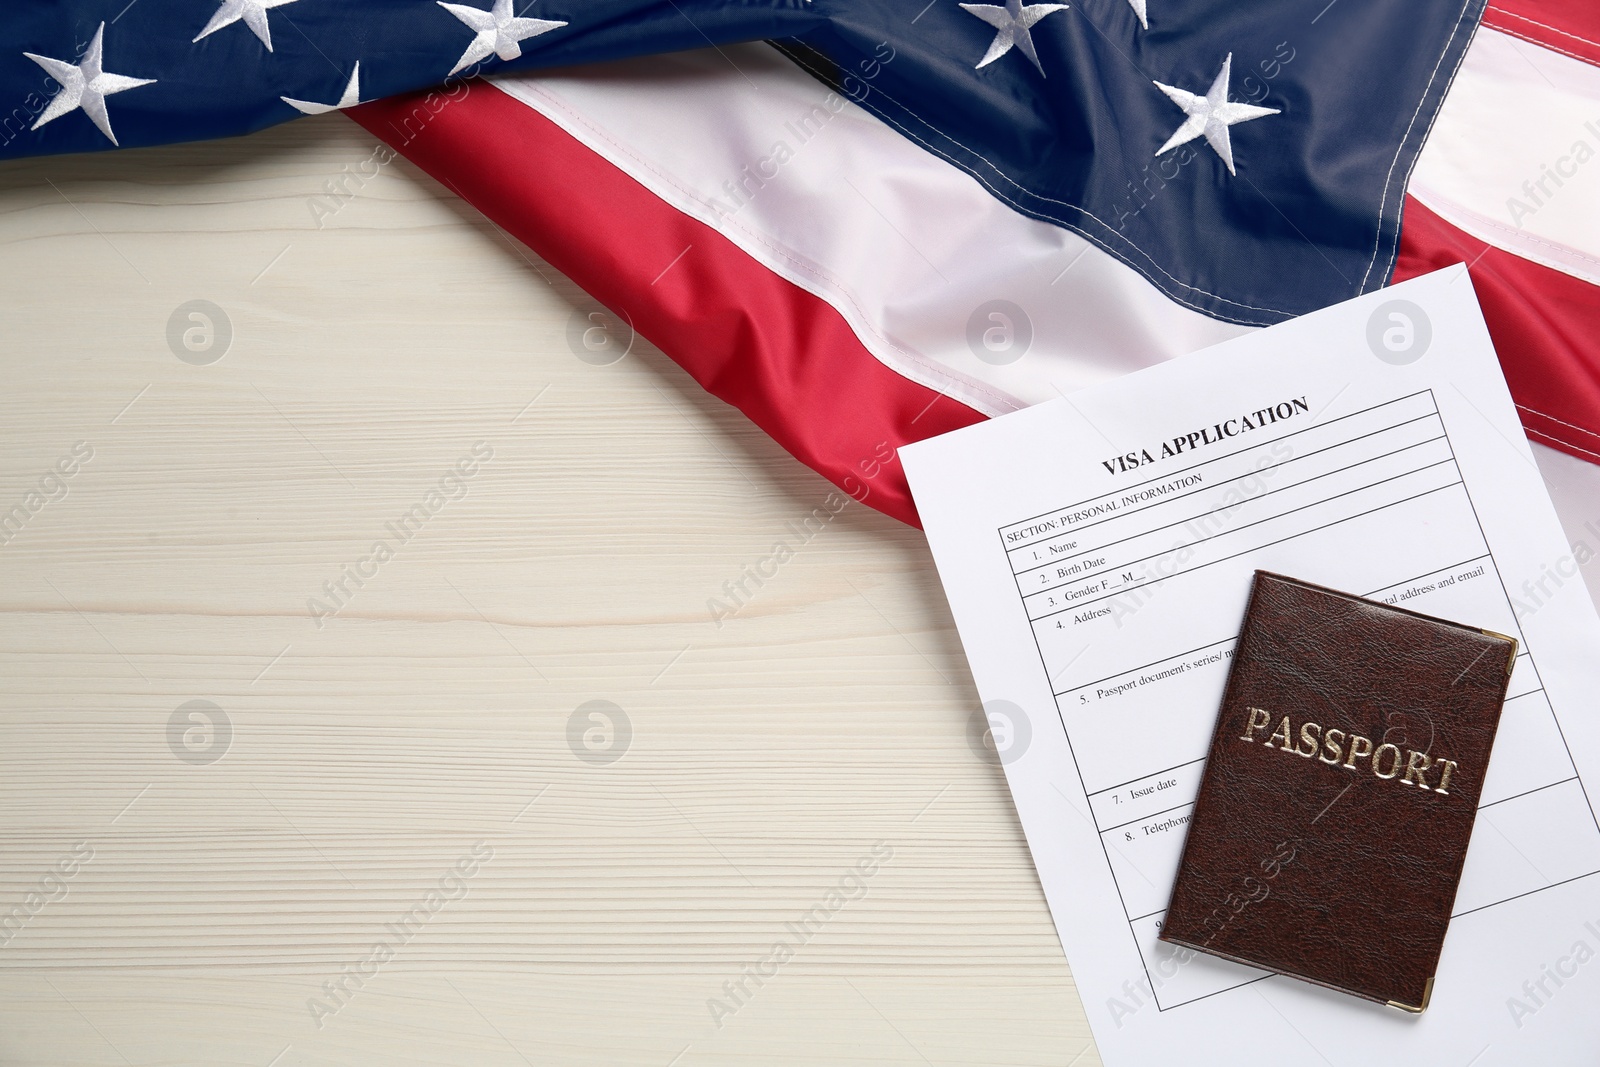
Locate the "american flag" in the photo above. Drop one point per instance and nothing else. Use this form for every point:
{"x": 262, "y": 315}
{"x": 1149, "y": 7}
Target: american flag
{"x": 865, "y": 223}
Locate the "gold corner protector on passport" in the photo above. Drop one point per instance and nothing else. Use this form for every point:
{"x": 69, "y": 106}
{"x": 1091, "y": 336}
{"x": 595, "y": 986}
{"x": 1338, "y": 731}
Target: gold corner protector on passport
{"x": 1510, "y": 663}
{"x": 1427, "y": 995}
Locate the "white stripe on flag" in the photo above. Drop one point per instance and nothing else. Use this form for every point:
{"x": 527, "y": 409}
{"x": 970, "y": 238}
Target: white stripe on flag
{"x": 1514, "y": 158}
{"x": 904, "y": 245}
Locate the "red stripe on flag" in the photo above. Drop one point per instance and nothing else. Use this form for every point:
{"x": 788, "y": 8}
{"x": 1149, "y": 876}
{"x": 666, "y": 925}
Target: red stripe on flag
{"x": 1542, "y": 322}
{"x": 1571, "y": 27}
{"x": 784, "y": 357}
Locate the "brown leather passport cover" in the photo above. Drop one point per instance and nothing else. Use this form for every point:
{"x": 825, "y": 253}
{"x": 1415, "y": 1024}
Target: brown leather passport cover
{"x": 1332, "y": 821}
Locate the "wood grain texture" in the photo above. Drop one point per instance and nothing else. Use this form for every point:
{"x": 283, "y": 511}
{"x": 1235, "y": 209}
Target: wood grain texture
{"x": 371, "y": 349}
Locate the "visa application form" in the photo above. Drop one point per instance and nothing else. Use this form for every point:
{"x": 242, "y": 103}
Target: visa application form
{"x": 1097, "y": 552}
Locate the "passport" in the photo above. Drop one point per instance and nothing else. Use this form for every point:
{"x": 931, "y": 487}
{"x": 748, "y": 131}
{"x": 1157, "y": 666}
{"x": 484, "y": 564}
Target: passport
{"x": 1328, "y": 836}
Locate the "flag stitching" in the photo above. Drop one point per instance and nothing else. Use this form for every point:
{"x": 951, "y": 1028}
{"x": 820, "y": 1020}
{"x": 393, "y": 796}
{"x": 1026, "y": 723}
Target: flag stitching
{"x": 1389, "y": 182}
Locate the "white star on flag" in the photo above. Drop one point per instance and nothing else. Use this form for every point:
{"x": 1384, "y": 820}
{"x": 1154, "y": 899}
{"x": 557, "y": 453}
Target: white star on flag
{"x": 350, "y": 98}
{"x": 84, "y": 85}
{"x": 1012, "y": 23}
{"x": 1211, "y": 115}
{"x": 1141, "y": 8}
{"x": 253, "y": 12}
{"x": 498, "y": 31}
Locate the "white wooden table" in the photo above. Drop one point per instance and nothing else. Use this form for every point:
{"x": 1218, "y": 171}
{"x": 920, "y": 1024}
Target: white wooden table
{"x": 235, "y": 888}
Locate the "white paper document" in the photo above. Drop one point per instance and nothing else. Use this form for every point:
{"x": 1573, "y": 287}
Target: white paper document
{"x": 1097, "y": 552}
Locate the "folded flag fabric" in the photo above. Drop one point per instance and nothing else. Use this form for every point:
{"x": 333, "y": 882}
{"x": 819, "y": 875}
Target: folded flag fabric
{"x": 900, "y": 217}
{"x": 852, "y": 290}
